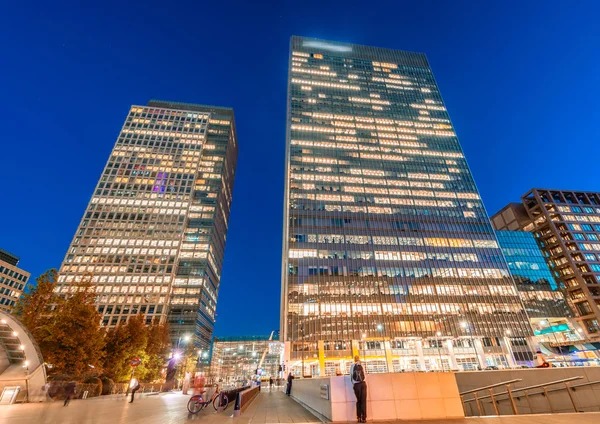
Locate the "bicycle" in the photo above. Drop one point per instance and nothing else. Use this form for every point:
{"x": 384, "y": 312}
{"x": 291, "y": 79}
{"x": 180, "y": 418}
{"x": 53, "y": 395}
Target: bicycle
{"x": 197, "y": 402}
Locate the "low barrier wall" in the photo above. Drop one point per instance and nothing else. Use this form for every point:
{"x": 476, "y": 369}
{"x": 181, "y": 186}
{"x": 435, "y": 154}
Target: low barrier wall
{"x": 390, "y": 396}
{"x": 247, "y": 396}
{"x": 586, "y": 398}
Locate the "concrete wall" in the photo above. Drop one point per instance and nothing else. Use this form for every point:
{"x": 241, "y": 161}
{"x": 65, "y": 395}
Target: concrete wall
{"x": 586, "y": 398}
{"x": 390, "y": 396}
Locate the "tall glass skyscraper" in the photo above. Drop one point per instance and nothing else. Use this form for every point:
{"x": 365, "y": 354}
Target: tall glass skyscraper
{"x": 388, "y": 250}
{"x": 153, "y": 235}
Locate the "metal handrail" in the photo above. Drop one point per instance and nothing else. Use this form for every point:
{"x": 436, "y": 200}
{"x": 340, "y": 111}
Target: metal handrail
{"x": 510, "y": 393}
{"x": 491, "y": 386}
{"x": 537, "y": 386}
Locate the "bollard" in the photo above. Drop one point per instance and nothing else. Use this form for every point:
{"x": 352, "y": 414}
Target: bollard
{"x": 237, "y": 411}
{"x": 220, "y": 408}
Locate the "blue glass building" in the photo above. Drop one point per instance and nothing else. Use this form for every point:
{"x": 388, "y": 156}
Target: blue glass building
{"x": 538, "y": 289}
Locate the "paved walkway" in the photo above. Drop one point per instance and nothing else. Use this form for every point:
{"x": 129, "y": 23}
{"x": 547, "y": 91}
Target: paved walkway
{"x": 170, "y": 408}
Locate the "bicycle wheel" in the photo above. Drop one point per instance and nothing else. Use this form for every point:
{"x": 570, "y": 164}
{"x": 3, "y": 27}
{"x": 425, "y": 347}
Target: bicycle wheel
{"x": 224, "y": 402}
{"x": 195, "y": 404}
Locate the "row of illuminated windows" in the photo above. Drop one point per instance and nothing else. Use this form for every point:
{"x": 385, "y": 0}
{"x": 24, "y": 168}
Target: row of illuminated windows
{"x": 370, "y": 147}
{"x": 381, "y": 201}
{"x": 105, "y": 279}
{"x": 163, "y": 130}
{"x": 138, "y": 203}
{"x": 370, "y": 173}
{"x": 134, "y": 242}
{"x": 365, "y": 122}
{"x": 584, "y": 218}
{"x": 384, "y": 289}
{"x": 163, "y": 112}
{"x": 391, "y": 191}
{"x": 394, "y": 241}
{"x": 379, "y": 210}
{"x": 397, "y": 272}
{"x": 330, "y": 130}
{"x": 123, "y": 255}
{"x": 382, "y": 255}
{"x": 580, "y": 236}
{"x": 577, "y": 209}
{"x": 112, "y": 299}
{"x": 132, "y": 268}
{"x": 138, "y": 194}
{"x": 337, "y": 309}
{"x": 380, "y": 182}
{"x": 583, "y": 227}
{"x": 127, "y": 309}
{"x": 179, "y": 136}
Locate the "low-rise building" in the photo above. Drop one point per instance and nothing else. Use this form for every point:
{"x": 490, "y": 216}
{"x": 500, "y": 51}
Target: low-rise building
{"x": 236, "y": 360}
{"x": 12, "y": 280}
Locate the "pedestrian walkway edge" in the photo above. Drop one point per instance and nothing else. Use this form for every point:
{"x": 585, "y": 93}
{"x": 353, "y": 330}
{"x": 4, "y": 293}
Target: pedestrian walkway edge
{"x": 321, "y": 418}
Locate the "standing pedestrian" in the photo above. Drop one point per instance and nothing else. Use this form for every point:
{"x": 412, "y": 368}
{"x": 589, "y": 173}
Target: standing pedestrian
{"x": 357, "y": 376}
{"x": 69, "y": 392}
{"x": 271, "y": 383}
{"x": 540, "y": 360}
{"x": 290, "y": 379}
{"x": 134, "y": 385}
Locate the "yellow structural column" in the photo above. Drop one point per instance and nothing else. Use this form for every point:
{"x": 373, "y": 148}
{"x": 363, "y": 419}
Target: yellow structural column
{"x": 354, "y": 348}
{"x": 321, "y": 345}
{"x": 388, "y": 356}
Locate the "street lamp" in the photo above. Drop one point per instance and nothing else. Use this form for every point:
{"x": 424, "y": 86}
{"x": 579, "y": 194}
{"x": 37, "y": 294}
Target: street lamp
{"x": 302, "y": 331}
{"x": 465, "y": 326}
{"x": 439, "y": 334}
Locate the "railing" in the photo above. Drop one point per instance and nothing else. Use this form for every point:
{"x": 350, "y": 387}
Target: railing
{"x": 510, "y": 395}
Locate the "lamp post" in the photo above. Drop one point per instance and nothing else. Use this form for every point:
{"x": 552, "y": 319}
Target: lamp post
{"x": 302, "y": 332}
{"x": 184, "y": 338}
{"x": 508, "y": 345}
{"x": 465, "y": 326}
{"x": 439, "y": 334}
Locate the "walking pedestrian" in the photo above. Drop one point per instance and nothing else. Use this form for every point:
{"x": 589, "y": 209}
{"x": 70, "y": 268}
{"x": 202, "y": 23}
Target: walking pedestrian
{"x": 290, "y": 379}
{"x": 271, "y": 383}
{"x": 69, "y": 392}
{"x": 134, "y": 385}
{"x": 357, "y": 376}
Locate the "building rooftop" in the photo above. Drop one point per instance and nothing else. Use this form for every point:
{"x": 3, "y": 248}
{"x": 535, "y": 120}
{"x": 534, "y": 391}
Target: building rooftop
{"x": 190, "y": 106}
{"x": 8, "y": 257}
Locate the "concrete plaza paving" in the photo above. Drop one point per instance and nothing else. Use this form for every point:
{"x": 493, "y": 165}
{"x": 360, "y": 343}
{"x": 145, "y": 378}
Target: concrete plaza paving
{"x": 170, "y": 408}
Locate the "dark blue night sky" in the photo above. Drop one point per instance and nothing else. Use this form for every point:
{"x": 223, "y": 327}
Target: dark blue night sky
{"x": 521, "y": 83}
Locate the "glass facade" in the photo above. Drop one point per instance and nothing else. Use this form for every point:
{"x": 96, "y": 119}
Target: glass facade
{"x": 153, "y": 235}
{"x": 235, "y": 360}
{"x": 539, "y": 292}
{"x": 566, "y": 225}
{"x": 388, "y": 250}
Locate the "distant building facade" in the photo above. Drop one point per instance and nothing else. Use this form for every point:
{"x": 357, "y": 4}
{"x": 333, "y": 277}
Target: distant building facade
{"x": 12, "y": 280}
{"x": 388, "y": 251}
{"x": 236, "y": 360}
{"x": 153, "y": 235}
{"x": 566, "y": 225}
{"x": 549, "y": 313}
